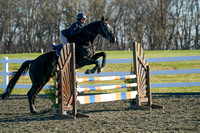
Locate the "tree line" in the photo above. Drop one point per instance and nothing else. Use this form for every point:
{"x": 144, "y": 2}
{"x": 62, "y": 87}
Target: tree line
{"x": 32, "y": 25}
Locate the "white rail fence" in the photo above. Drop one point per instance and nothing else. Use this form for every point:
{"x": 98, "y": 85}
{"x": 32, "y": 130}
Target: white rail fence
{"x": 5, "y": 73}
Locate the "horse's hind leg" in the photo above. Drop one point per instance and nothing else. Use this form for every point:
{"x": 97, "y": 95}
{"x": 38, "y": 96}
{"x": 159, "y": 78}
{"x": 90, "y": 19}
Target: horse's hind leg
{"x": 98, "y": 55}
{"x": 39, "y": 89}
{"x": 32, "y": 94}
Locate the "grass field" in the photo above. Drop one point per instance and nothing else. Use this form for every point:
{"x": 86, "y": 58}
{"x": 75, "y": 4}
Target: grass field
{"x": 126, "y": 67}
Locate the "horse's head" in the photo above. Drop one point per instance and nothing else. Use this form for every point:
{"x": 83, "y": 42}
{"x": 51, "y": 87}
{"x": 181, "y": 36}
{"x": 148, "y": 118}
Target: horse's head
{"x": 106, "y": 31}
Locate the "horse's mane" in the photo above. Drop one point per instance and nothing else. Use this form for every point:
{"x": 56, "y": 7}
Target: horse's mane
{"x": 92, "y": 24}
{"x": 86, "y": 32}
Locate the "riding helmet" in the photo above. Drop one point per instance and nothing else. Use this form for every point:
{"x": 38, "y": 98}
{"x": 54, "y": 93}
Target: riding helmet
{"x": 80, "y": 16}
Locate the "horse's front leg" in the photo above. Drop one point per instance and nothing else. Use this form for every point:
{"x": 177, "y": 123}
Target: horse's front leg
{"x": 103, "y": 65}
{"x": 86, "y": 61}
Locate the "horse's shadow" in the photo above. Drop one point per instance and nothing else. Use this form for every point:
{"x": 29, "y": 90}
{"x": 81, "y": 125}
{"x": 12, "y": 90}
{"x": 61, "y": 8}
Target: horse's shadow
{"x": 43, "y": 115}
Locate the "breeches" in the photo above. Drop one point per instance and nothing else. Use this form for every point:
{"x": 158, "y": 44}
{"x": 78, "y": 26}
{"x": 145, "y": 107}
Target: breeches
{"x": 63, "y": 39}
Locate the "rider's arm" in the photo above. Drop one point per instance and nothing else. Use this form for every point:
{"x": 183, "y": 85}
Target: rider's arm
{"x": 64, "y": 32}
{"x": 74, "y": 30}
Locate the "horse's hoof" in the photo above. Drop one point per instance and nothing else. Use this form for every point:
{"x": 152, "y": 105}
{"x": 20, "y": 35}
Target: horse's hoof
{"x": 34, "y": 112}
{"x": 88, "y": 71}
{"x": 99, "y": 70}
{"x": 32, "y": 109}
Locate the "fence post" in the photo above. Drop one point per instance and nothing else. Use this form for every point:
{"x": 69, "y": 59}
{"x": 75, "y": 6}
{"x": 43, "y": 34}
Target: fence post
{"x": 135, "y": 60}
{"x": 5, "y": 73}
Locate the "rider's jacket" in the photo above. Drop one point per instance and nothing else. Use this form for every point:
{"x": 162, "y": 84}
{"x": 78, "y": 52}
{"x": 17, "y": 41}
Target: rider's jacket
{"x": 74, "y": 29}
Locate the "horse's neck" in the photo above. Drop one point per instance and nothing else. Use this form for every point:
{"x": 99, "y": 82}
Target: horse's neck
{"x": 90, "y": 32}
{"x": 92, "y": 27}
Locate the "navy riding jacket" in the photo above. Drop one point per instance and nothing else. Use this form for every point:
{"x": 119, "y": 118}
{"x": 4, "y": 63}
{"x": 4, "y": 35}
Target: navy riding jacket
{"x": 74, "y": 29}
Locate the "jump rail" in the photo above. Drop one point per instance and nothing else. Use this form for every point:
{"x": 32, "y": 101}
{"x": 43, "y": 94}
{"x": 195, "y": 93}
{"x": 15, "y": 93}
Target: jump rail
{"x": 106, "y": 87}
{"x": 106, "y": 78}
{"x": 67, "y": 91}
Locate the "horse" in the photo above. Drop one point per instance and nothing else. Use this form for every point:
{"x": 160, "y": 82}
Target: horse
{"x": 43, "y": 67}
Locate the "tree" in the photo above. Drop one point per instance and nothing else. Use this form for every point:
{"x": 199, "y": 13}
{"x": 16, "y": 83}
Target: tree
{"x": 29, "y": 26}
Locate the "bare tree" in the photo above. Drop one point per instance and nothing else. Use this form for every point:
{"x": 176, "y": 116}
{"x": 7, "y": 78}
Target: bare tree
{"x": 28, "y": 26}
{"x": 196, "y": 24}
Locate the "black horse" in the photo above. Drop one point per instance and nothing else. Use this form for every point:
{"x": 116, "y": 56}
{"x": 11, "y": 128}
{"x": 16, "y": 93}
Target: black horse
{"x": 43, "y": 68}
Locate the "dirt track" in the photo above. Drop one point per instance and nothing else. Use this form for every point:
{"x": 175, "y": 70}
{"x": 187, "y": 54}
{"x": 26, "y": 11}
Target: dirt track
{"x": 181, "y": 114}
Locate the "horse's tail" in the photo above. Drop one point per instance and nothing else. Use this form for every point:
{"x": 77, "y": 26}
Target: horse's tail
{"x": 15, "y": 77}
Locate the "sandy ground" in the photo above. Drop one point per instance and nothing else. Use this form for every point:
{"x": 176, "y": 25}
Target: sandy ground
{"x": 181, "y": 113}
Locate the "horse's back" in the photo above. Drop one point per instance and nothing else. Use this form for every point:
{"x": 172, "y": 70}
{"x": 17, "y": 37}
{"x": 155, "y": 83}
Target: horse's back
{"x": 42, "y": 66}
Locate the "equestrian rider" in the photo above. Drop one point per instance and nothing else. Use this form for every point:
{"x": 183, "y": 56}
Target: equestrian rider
{"x": 74, "y": 29}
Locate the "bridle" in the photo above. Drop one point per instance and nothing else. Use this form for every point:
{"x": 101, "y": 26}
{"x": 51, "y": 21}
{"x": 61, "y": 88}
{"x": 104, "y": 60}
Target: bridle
{"x": 91, "y": 45}
{"x": 105, "y": 32}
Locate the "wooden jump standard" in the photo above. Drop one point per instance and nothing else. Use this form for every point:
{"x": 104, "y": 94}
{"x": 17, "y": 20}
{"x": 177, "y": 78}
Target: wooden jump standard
{"x": 67, "y": 91}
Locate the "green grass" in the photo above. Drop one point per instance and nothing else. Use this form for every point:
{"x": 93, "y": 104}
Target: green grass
{"x": 21, "y": 56}
{"x": 127, "y": 67}
{"x": 173, "y": 78}
{"x": 152, "y": 54}
{"x": 171, "y": 53}
{"x": 154, "y": 66}
{"x": 117, "y": 54}
{"x": 176, "y": 89}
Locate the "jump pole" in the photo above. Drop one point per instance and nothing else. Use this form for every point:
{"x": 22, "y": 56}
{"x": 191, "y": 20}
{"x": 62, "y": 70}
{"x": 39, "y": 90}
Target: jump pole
{"x": 107, "y": 97}
{"x": 106, "y": 87}
{"x": 105, "y": 78}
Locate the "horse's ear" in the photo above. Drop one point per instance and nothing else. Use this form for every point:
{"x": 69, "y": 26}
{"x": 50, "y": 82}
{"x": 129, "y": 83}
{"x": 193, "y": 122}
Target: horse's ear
{"x": 102, "y": 19}
{"x": 107, "y": 19}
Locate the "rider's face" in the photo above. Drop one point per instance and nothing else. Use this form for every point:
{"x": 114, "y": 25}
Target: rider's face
{"x": 83, "y": 20}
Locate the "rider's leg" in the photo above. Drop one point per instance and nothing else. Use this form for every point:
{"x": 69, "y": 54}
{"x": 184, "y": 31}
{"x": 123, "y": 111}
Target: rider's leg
{"x": 63, "y": 39}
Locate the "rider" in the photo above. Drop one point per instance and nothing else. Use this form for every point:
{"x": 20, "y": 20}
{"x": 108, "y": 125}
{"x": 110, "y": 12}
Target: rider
{"x": 74, "y": 29}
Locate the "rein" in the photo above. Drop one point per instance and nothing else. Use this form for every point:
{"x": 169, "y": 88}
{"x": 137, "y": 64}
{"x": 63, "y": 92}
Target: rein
{"x": 93, "y": 33}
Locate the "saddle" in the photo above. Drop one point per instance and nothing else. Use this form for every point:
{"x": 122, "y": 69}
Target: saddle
{"x": 57, "y": 48}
